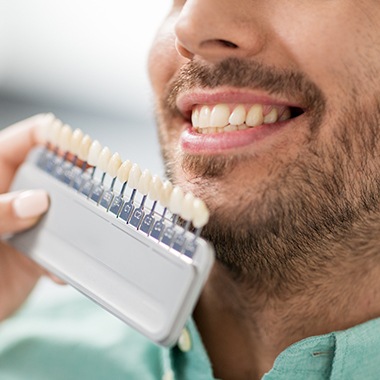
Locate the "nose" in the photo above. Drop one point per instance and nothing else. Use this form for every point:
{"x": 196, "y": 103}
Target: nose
{"x": 217, "y": 29}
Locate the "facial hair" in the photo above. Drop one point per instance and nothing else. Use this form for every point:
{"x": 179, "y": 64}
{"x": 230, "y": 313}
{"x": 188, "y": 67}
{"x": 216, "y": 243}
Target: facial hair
{"x": 291, "y": 228}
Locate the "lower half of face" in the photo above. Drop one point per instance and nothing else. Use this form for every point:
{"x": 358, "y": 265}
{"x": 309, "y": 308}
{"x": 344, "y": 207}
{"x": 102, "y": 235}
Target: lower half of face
{"x": 291, "y": 197}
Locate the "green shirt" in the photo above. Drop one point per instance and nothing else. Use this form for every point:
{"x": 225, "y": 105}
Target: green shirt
{"x": 61, "y": 335}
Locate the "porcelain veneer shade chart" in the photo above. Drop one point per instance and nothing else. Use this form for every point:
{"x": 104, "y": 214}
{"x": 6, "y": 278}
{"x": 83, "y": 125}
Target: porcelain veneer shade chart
{"x": 125, "y": 238}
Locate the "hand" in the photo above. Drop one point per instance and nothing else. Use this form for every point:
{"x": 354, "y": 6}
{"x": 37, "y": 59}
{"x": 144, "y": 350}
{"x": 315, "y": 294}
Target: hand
{"x": 18, "y": 211}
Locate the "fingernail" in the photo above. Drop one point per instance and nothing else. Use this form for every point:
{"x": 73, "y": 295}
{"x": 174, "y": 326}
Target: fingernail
{"x": 31, "y": 203}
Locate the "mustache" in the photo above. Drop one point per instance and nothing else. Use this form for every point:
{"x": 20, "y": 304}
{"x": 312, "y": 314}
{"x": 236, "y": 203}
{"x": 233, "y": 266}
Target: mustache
{"x": 242, "y": 73}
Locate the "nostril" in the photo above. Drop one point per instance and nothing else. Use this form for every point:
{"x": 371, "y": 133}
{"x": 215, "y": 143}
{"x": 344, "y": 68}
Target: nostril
{"x": 228, "y": 44}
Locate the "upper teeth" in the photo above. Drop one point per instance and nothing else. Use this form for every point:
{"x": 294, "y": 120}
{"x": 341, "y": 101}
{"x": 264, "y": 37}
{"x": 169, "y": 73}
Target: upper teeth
{"x": 224, "y": 118}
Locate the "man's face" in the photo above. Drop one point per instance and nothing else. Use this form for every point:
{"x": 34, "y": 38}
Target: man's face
{"x": 284, "y": 147}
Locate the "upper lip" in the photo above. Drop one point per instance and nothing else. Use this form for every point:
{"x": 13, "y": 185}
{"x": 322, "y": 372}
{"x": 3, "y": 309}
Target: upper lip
{"x": 186, "y": 101}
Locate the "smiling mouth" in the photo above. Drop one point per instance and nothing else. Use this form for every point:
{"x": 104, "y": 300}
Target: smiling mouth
{"x": 220, "y": 118}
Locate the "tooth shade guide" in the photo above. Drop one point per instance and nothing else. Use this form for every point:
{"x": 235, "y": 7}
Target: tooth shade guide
{"x": 162, "y": 202}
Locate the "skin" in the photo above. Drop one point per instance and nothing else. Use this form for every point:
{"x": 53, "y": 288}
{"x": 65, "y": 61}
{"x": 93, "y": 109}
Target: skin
{"x": 18, "y": 275}
{"x": 294, "y": 217}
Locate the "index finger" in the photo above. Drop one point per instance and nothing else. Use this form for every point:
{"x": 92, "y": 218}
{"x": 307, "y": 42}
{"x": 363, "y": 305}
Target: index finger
{"x": 15, "y": 143}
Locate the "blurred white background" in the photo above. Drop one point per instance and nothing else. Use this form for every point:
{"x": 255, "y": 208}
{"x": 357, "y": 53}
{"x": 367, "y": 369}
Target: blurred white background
{"x": 84, "y": 60}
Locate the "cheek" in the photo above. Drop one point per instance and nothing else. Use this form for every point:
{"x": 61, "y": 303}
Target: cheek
{"x": 164, "y": 61}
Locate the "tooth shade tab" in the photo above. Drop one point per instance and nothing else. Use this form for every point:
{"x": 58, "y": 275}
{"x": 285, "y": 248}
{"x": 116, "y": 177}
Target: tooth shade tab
{"x": 123, "y": 171}
{"x": 144, "y": 182}
{"x": 134, "y": 176}
{"x": 176, "y": 200}
{"x": 84, "y": 148}
{"x": 201, "y": 213}
{"x": 76, "y": 140}
{"x": 104, "y": 159}
{"x": 166, "y": 192}
{"x": 114, "y": 165}
{"x": 64, "y": 141}
{"x": 155, "y": 188}
{"x": 44, "y": 127}
{"x": 55, "y": 132}
{"x": 187, "y": 209}
{"x": 94, "y": 152}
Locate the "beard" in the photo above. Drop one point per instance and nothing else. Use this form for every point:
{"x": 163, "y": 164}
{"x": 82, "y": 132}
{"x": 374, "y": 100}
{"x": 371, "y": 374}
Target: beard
{"x": 309, "y": 213}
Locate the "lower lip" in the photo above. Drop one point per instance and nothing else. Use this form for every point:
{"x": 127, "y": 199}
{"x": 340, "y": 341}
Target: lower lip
{"x": 213, "y": 143}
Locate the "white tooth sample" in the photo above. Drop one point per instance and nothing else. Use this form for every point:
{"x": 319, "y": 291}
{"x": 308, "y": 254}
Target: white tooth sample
{"x": 200, "y": 213}
{"x": 204, "y": 117}
{"x": 241, "y": 127}
{"x": 238, "y": 115}
{"x": 285, "y": 115}
{"x": 155, "y": 188}
{"x": 42, "y": 132}
{"x": 165, "y": 194}
{"x": 134, "y": 176}
{"x": 124, "y": 170}
{"x": 195, "y": 118}
{"x": 271, "y": 117}
{"x": 255, "y": 116}
{"x": 114, "y": 165}
{"x": 94, "y": 152}
{"x": 219, "y": 115}
{"x": 84, "y": 148}
{"x": 176, "y": 200}
{"x": 187, "y": 210}
{"x": 64, "y": 140}
{"x": 55, "y": 131}
{"x": 104, "y": 159}
{"x": 144, "y": 182}
{"x": 76, "y": 139}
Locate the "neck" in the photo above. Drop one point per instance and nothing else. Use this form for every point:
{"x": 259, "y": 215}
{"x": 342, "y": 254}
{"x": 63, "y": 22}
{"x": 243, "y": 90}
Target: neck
{"x": 252, "y": 328}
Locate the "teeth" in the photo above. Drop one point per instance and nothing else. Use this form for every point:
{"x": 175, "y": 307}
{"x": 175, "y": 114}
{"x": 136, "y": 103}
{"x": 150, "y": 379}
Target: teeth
{"x": 55, "y": 130}
{"x": 166, "y": 191}
{"x": 114, "y": 165}
{"x": 155, "y": 188}
{"x": 104, "y": 159}
{"x": 285, "y": 115}
{"x": 76, "y": 140}
{"x": 238, "y": 115}
{"x": 255, "y": 116}
{"x": 64, "y": 139}
{"x": 219, "y": 115}
{"x": 144, "y": 182}
{"x": 124, "y": 170}
{"x": 271, "y": 117}
{"x": 84, "y": 148}
{"x": 200, "y": 213}
{"x": 187, "y": 209}
{"x": 176, "y": 200}
{"x": 195, "y": 118}
{"x": 204, "y": 117}
{"x": 134, "y": 176}
{"x": 44, "y": 128}
{"x": 219, "y": 118}
{"x": 94, "y": 152}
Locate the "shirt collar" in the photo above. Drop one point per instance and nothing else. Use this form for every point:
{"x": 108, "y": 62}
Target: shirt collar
{"x": 352, "y": 353}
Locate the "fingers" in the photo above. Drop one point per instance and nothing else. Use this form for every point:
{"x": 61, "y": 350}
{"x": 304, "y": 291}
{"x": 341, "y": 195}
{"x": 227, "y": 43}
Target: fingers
{"x": 21, "y": 210}
{"x": 15, "y": 143}
{"x": 18, "y": 276}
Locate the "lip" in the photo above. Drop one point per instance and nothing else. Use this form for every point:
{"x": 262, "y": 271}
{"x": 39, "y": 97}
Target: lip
{"x": 215, "y": 143}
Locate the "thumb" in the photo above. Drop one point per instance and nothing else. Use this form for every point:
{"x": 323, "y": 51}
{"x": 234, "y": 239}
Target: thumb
{"x": 21, "y": 210}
